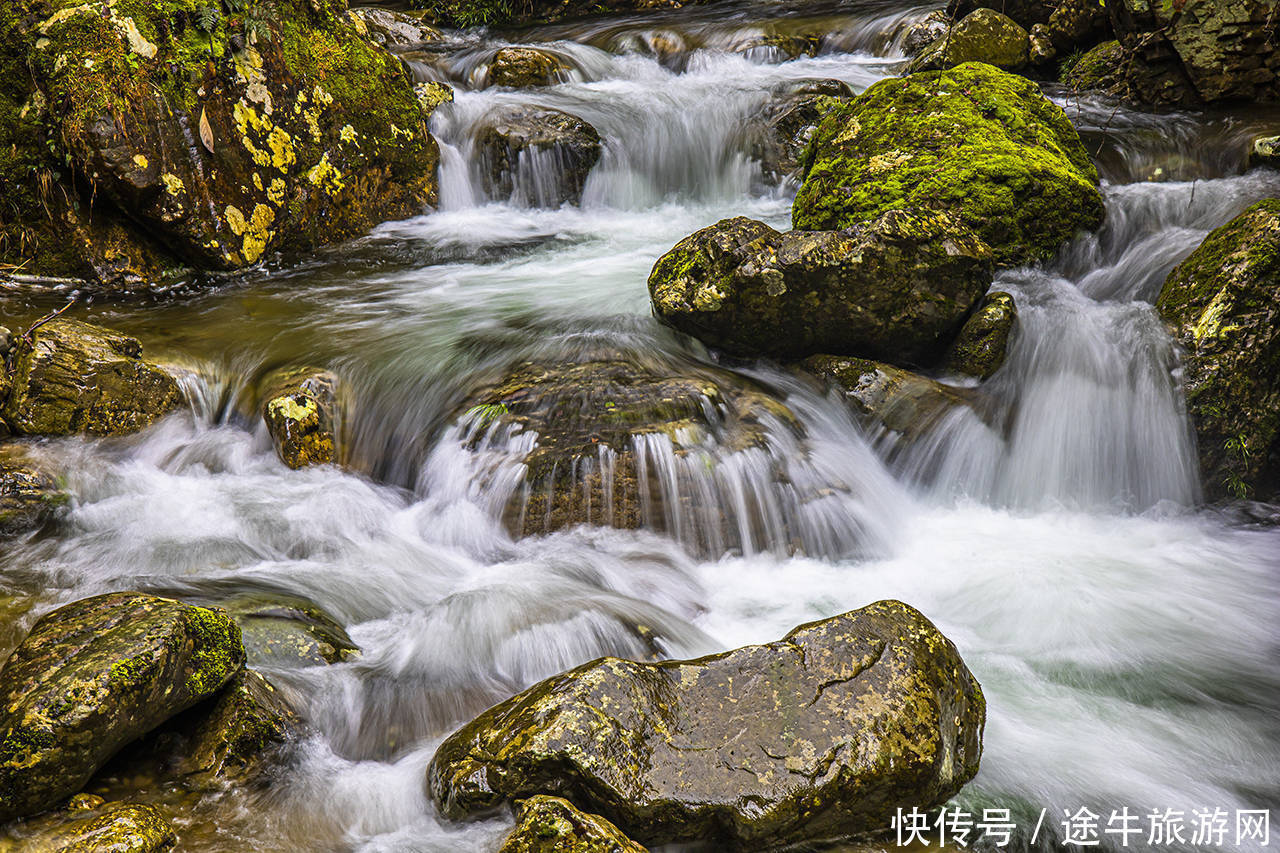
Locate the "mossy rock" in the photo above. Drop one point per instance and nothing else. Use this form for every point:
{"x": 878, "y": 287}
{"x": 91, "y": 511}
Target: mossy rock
{"x": 93, "y": 676}
{"x": 976, "y": 142}
{"x": 553, "y": 825}
{"x": 786, "y": 123}
{"x": 1026, "y": 12}
{"x": 88, "y": 825}
{"x": 525, "y": 67}
{"x": 983, "y": 36}
{"x": 980, "y": 348}
{"x": 821, "y": 735}
{"x": 1265, "y": 151}
{"x": 288, "y": 631}
{"x": 300, "y": 411}
{"x": 897, "y": 288}
{"x": 29, "y": 495}
{"x": 71, "y": 377}
{"x": 1100, "y": 69}
{"x": 223, "y": 137}
{"x": 1223, "y": 304}
{"x": 510, "y": 136}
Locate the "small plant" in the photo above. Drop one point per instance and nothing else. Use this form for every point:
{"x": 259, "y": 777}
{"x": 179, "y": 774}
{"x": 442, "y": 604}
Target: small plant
{"x": 487, "y": 413}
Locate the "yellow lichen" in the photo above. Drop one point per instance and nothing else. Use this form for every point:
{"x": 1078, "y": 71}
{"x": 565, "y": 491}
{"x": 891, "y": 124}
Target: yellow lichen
{"x": 235, "y": 219}
{"x": 326, "y": 176}
{"x": 282, "y": 153}
{"x": 348, "y": 133}
{"x": 172, "y": 183}
{"x": 275, "y": 194}
{"x": 140, "y": 161}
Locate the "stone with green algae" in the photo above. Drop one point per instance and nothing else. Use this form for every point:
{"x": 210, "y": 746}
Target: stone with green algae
{"x": 980, "y": 348}
{"x": 980, "y": 144}
{"x": 553, "y": 825}
{"x": 984, "y": 35}
{"x": 88, "y": 825}
{"x": 820, "y": 735}
{"x": 95, "y": 675}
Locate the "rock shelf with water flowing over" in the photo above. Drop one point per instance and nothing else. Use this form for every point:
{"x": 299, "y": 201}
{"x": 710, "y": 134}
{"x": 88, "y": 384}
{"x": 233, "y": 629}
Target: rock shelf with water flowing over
{"x": 459, "y": 425}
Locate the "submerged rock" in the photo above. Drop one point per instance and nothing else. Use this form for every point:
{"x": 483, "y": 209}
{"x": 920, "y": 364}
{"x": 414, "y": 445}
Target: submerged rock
{"x": 1223, "y": 303}
{"x": 553, "y": 825}
{"x": 94, "y": 827}
{"x": 93, "y": 676}
{"x": 898, "y": 287}
{"x": 542, "y": 156}
{"x": 289, "y": 631}
{"x": 522, "y": 67}
{"x": 29, "y": 495}
{"x": 301, "y": 415}
{"x": 820, "y": 735}
{"x": 983, "y": 342}
{"x": 983, "y": 36}
{"x": 980, "y": 144}
{"x": 71, "y": 377}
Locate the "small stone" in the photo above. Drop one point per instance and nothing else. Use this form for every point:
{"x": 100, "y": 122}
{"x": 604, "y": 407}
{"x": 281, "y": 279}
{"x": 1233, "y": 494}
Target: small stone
{"x": 983, "y": 36}
{"x": 542, "y": 157}
{"x": 524, "y": 67}
{"x": 300, "y": 412}
{"x": 983, "y": 342}
{"x": 1265, "y": 151}
{"x": 29, "y": 495}
{"x": 553, "y": 825}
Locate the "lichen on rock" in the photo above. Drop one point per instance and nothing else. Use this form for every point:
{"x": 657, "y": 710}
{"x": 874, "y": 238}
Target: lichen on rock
{"x": 980, "y": 348}
{"x": 552, "y": 825}
{"x": 300, "y": 410}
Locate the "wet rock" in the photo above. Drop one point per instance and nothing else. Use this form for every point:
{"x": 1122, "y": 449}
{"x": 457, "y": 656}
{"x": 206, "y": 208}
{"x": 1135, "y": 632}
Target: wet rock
{"x": 395, "y": 30}
{"x": 925, "y": 32}
{"x": 301, "y": 414}
{"x": 1040, "y": 48}
{"x": 889, "y": 397}
{"x": 289, "y": 631}
{"x": 431, "y": 95}
{"x": 522, "y": 67}
{"x": 1265, "y": 151}
{"x": 1078, "y": 24}
{"x": 820, "y": 735}
{"x": 29, "y": 495}
{"x": 1223, "y": 304}
{"x": 71, "y": 377}
{"x": 983, "y": 36}
{"x": 1026, "y": 12}
{"x": 1100, "y": 69}
{"x": 95, "y": 827}
{"x": 207, "y": 139}
{"x": 780, "y": 47}
{"x": 541, "y": 156}
{"x": 788, "y": 122}
{"x": 93, "y": 676}
{"x": 980, "y": 144}
{"x": 983, "y": 342}
{"x": 553, "y": 825}
{"x": 898, "y": 287}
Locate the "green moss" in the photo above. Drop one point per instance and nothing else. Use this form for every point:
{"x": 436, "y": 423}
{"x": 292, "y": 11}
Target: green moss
{"x": 1097, "y": 68}
{"x": 130, "y": 671}
{"x": 217, "y": 653}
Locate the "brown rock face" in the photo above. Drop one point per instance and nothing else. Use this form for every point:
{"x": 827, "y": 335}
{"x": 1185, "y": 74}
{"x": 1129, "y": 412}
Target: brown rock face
{"x": 521, "y": 67}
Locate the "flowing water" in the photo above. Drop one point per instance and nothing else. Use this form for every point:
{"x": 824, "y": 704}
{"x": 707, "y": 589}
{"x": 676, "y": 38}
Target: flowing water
{"x": 1127, "y": 642}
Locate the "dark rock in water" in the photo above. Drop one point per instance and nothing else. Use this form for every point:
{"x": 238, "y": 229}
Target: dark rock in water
{"x": 522, "y": 67}
{"x": 71, "y": 377}
{"x": 983, "y": 36}
{"x": 1100, "y": 69}
{"x": 553, "y": 825}
{"x": 29, "y": 495}
{"x": 898, "y": 287}
{"x": 288, "y": 631}
{"x": 978, "y": 143}
{"x": 542, "y": 156}
{"x": 93, "y": 676}
{"x": 395, "y": 30}
{"x": 91, "y": 826}
{"x": 788, "y": 121}
{"x": 300, "y": 411}
{"x": 983, "y": 342}
{"x": 821, "y": 735}
{"x": 1265, "y": 151}
{"x": 1223, "y": 304}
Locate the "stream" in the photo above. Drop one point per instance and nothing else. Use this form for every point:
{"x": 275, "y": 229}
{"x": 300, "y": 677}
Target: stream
{"x": 1128, "y": 644}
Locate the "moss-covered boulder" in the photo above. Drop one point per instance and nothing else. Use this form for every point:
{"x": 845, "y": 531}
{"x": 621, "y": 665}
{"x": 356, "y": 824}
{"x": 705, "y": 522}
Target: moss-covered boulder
{"x": 93, "y": 676}
{"x": 983, "y": 36}
{"x": 91, "y": 826}
{"x": 1265, "y": 151}
{"x": 288, "y": 631}
{"x": 820, "y": 735}
{"x": 553, "y": 825}
{"x": 897, "y": 287}
{"x": 71, "y": 377}
{"x": 1099, "y": 69}
{"x": 978, "y": 143}
{"x": 980, "y": 348}
{"x": 300, "y": 410}
{"x": 1223, "y": 303}
{"x": 537, "y": 156}
{"x": 206, "y": 138}
{"x": 522, "y": 67}
{"x": 29, "y": 494}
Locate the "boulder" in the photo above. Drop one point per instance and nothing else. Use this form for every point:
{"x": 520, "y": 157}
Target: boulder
{"x": 288, "y": 631}
{"x": 29, "y": 495}
{"x": 71, "y": 377}
{"x": 788, "y": 121}
{"x": 553, "y": 825}
{"x": 88, "y": 825}
{"x": 300, "y": 411}
{"x": 983, "y": 342}
{"x": 821, "y": 735}
{"x": 93, "y": 676}
{"x": 925, "y": 32}
{"x": 431, "y": 95}
{"x": 983, "y": 36}
{"x": 395, "y": 31}
{"x": 897, "y": 287}
{"x": 539, "y": 156}
{"x": 1223, "y": 305}
{"x": 523, "y": 67}
{"x": 198, "y": 138}
{"x": 1099, "y": 69}
{"x": 1265, "y": 151}
{"x": 1026, "y": 12}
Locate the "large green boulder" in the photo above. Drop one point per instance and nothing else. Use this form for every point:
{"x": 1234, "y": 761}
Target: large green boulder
{"x": 71, "y": 377}
{"x": 212, "y": 137}
{"x": 984, "y": 35}
{"x": 898, "y": 287}
{"x": 821, "y": 735}
{"x": 976, "y": 142}
{"x": 93, "y": 676}
{"x": 1223, "y": 303}
{"x": 89, "y": 825}
{"x": 552, "y": 825}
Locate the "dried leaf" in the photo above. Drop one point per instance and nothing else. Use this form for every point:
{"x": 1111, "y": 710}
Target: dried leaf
{"x": 206, "y": 132}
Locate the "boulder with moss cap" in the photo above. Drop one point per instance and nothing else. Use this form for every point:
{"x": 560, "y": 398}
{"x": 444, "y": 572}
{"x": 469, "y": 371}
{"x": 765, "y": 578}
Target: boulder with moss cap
{"x": 821, "y": 735}
{"x": 552, "y": 825}
{"x": 95, "y": 675}
{"x": 975, "y": 142}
